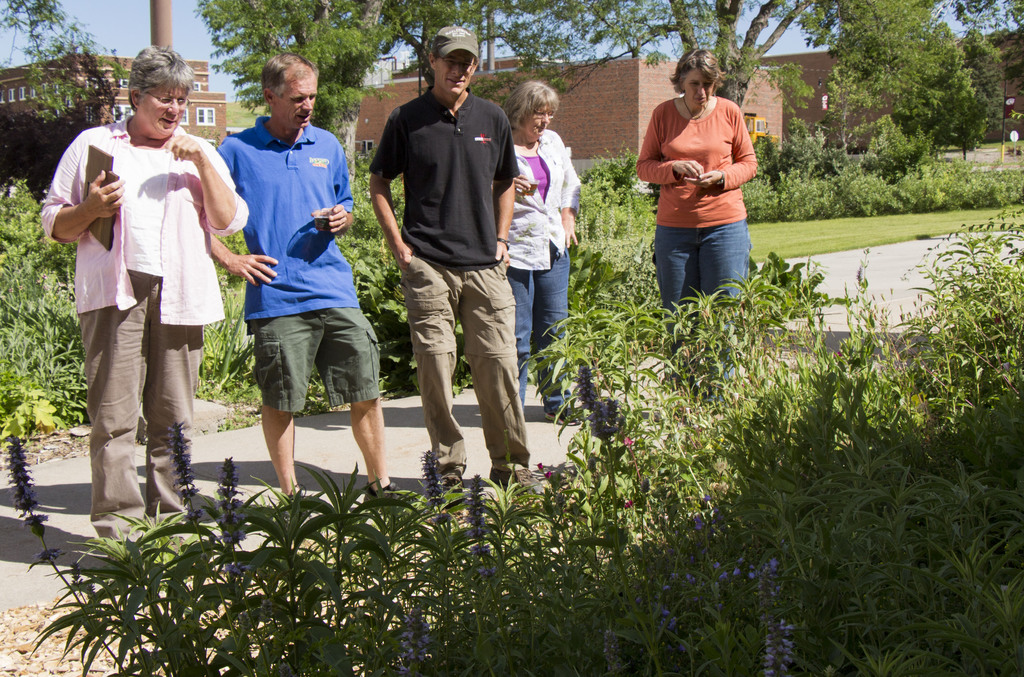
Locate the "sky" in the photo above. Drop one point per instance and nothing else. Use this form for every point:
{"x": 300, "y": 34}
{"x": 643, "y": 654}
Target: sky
{"x": 123, "y": 25}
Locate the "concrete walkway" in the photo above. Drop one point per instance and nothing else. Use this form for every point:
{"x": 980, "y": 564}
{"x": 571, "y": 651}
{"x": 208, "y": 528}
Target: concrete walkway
{"x": 325, "y": 441}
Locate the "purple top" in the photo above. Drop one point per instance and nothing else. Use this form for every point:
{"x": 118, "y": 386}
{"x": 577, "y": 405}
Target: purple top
{"x": 541, "y": 174}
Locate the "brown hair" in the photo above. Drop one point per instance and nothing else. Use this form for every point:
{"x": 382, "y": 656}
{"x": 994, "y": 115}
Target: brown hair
{"x": 697, "y": 59}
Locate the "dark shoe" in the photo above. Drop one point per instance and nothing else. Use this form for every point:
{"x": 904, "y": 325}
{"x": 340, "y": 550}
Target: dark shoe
{"x": 560, "y": 418}
{"x": 452, "y": 484}
{"x": 386, "y": 491}
{"x": 521, "y": 476}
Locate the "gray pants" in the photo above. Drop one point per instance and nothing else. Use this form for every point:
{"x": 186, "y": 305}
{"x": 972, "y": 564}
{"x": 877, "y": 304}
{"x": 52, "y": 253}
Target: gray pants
{"x": 129, "y": 353}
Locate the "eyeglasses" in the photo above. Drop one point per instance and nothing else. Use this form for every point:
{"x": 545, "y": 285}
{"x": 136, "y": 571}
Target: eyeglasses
{"x": 540, "y": 114}
{"x": 168, "y": 101}
{"x": 457, "y": 65}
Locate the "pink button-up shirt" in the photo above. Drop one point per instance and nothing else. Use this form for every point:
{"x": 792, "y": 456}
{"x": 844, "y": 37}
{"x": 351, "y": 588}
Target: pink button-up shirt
{"x": 190, "y": 294}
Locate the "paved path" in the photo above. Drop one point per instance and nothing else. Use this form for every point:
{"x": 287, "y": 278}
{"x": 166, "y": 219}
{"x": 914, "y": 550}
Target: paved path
{"x": 326, "y": 440}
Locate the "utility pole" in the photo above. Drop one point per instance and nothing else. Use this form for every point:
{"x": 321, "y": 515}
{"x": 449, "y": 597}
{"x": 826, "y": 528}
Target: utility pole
{"x": 160, "y": 23}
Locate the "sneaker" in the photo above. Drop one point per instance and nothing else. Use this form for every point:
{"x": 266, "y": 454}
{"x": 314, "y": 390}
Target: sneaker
{"x": 521, "y": 476}
{"x": 560, "y": 418}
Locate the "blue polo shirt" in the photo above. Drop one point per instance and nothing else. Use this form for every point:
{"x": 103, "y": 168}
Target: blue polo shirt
{"x": 282, "y": 185}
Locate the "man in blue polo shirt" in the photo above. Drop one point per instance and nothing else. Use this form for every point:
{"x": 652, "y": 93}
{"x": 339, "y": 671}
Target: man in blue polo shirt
{"x": 455, "y": 154}
{"x": 301, "y": 302}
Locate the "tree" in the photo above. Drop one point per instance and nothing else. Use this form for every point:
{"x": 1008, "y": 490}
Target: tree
{"x": 46, "y": 29}
{"x": 32, "y": 140}
{"x": 73, "y": 91}
{"x": 904, "y": 55}
{"x": 635, "y": 27}
{"x": 344, "y": 38}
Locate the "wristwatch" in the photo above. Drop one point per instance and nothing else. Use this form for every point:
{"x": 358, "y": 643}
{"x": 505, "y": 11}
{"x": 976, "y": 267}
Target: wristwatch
{"x": 503, "y": 241}
{"x": 721, "y": 181}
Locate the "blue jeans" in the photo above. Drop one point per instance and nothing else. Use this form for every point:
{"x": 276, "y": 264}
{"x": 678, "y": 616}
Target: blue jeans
{"x": 692, "y": 260}
{"x": 541, "y": 301}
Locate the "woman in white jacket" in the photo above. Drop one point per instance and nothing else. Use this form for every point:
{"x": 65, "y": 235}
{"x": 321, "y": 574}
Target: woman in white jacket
{"x": 543, "y": 228}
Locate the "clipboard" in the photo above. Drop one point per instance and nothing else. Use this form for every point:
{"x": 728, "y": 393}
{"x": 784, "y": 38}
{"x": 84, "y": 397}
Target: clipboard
{"x": 99, "y": 161}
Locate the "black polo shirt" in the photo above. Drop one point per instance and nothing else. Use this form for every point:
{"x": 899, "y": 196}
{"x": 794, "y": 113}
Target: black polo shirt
{"x": 448, "y": 164}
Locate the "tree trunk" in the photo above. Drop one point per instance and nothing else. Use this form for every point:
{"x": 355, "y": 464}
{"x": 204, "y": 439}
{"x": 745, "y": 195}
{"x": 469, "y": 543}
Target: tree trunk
{"x": 734, "y": 88}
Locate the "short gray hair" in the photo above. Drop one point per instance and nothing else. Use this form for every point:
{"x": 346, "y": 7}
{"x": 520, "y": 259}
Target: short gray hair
{"x": 528, "y": 98}
{"x": 275, "y": 72}
{"x": 158, "y": 67}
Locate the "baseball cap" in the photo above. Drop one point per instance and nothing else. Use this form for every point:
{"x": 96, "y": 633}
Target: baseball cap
{"x": 451, "y": 38}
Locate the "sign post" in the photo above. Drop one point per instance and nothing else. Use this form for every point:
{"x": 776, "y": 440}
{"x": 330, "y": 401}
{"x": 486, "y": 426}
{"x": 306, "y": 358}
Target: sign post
{"x": 1008, "y": 105}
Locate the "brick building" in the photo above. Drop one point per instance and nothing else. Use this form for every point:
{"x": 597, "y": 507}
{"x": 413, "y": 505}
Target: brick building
{"x": 205, "y": 117}
{"x": 604, "y": 116}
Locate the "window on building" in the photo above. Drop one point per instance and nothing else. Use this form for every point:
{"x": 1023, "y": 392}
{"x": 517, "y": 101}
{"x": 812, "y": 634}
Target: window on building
{"x": 32, "y": 92}
{"x": 1, "y": 96}
{"x": 122, "y": 83}
{"x": 197, "y": 86}
{"x": 10, "y": 95}
{"x": 122, "y": 111}
{"x": 90, "y": 114}
{"x": 184, "y": 117}
{"x": 205, "y": 117}
{"x": 21, "y": 93}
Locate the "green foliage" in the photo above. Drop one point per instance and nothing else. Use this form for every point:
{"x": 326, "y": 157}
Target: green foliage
{"x": 860, "y": 192}
{"x": 612, "y": 202}
{"x": 745, "y": 495}
{"x": 40, "y": 341}
{"x": 341, "y": 38}
{"x": 24, "y": 409}
{"x": 22, "y": 239}
{"x": 893, "y": 154}
{"x": 805, "y": 153}
{"x": 227, "y": 349}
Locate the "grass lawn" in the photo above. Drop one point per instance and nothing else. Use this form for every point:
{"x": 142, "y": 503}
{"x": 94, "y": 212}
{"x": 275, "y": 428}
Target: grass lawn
{"x": 239, "y": 116}
{"x": 806, "y": 238}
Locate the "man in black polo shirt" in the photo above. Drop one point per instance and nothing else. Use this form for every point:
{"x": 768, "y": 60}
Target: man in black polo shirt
{"x": 456, "y": 156}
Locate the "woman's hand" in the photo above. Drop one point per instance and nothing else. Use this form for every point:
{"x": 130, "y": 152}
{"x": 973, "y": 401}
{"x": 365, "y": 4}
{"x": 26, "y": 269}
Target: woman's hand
{"x": 569, "y": 226}
{"x": 523, "y": 185}
{"x": 184, "y": 147}
{"x": 103, "y": 200}
{"x": 687, "y": 169}
{"x": 708, "y": 179}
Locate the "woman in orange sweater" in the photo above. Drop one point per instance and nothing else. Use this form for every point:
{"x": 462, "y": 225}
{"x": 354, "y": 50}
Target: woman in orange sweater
{"x": 698, "y": 149}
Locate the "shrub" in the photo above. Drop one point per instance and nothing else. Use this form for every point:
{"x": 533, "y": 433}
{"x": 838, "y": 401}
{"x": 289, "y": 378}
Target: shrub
{"x": 40, "y": 340}
{"x": 892, "y": 154}
{"x": 744, "y": 497}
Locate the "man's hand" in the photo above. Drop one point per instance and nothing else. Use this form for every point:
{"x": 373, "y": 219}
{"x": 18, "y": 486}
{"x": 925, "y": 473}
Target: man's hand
{"x": 341, "y": 220}
{"x": 501, "y": 253}
{"x": 403, "y": 254}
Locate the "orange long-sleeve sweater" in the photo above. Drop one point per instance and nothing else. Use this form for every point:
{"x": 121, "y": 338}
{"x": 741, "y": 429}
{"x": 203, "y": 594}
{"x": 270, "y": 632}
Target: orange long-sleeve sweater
{"x": 719, "y": 142}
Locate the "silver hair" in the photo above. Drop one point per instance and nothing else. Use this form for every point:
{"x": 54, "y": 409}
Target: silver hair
{"x": 528, "y": 98}
{"x": 276, "y": 71}
{"x": 157, "y": 68}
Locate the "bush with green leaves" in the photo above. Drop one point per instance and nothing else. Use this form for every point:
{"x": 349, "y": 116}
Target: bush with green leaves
{"x": 613, "y": 202}
{"x": 893, "y": 154}
{"x": 40, "y": 340}
{"x": 744, "y": 497}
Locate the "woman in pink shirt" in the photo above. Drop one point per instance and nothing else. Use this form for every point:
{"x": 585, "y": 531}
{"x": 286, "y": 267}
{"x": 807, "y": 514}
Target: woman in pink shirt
{"x": 144, "y": 295}
{"x": 697, "y": 148}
